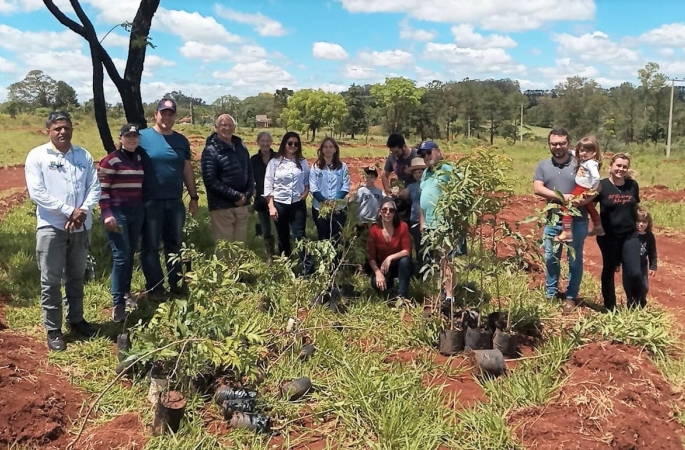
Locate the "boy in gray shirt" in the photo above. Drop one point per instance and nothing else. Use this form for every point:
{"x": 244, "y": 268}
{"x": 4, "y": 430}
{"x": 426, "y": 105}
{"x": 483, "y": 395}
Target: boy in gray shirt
{"x": 368, "y": 197}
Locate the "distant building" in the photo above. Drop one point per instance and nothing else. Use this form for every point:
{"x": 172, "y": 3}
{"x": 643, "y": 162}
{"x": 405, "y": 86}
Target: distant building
{"x": 261, "y": 121}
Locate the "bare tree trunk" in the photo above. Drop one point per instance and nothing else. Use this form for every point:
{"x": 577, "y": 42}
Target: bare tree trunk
{"x": 129, "y": 85}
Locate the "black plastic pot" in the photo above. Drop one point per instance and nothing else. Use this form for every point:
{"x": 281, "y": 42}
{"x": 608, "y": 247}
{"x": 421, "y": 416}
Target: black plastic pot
{"x": 306, "y": 352}
{"x": 170, "y": 410}
{"x": 488, "y": 363}
{"x": 497, "y": 320}
{"x": 296, "y": 389}
{"x": 229, "y": 393}
{"x": 507, "y": 343}
{"x": 451, "y": 342}
{"x": 251, "y": 421}
{"x": 478, "y": 339}
{"x": 123, "y": 346}
{"x": 229, "y": 407}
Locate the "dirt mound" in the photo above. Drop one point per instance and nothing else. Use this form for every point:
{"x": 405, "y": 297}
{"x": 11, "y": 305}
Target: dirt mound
{"x": 36, "y": 403}
{"x": 660, "y": 193}
{"x": 13, "y": 177}
{"x": 614, "y": 399}
{"x": 124, "y": 433}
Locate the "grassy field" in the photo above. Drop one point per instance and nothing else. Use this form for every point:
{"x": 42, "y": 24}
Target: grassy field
{"x": 366, "y": 395}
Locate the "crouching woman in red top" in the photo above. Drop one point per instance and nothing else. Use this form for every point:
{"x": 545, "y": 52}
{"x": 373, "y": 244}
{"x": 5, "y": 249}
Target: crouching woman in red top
{"x": 388, "y": 250}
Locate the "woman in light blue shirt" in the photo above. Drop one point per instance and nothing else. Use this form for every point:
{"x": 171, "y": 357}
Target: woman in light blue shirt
{"x": 286, "y": 186}
{"x": 329, "y": 183}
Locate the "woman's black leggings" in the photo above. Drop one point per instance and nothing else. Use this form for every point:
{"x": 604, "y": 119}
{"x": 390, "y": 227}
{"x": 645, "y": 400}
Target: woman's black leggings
{"x": 623, "y": 251}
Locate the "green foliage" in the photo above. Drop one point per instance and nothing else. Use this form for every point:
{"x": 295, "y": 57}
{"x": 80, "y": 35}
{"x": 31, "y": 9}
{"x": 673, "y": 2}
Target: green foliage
{"x": 311, "y": 110}
{"x": 397, "y": 97}
{"x": 38, "y": 90}
{"x": 649, "y": 328}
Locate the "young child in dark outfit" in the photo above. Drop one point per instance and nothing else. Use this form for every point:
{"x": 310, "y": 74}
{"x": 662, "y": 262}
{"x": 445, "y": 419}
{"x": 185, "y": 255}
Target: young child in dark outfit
{"x": 648, "y": 261}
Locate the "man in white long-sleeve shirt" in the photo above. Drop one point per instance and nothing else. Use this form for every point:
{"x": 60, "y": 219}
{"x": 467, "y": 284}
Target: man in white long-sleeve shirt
{"x": 62, "y": 181}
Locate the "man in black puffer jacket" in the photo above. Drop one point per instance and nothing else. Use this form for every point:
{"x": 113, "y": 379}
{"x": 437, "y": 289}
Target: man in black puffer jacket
{"x": 229, "y": 180}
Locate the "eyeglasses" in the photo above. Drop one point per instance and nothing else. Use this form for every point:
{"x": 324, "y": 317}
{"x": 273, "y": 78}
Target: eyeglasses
{"x": 386, "y": 210}
{"x": 293, "y": 144}
{"x": 424, "y": 153}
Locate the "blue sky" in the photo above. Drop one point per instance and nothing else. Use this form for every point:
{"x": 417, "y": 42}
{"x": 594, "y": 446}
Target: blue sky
{"x": 213, "y": 48}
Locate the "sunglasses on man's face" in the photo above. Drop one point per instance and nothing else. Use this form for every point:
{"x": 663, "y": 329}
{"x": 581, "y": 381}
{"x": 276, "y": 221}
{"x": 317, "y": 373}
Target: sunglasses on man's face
{"x": 293, "y": 144}
{"x": 387, "y": 210}
{"x": 424, "y": 153}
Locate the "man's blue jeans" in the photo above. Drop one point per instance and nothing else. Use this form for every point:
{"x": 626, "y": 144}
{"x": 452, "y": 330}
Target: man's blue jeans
{"x": 553, "y": 251}
{"x": 164, "y": 220}
{"x": 124, "y": 246}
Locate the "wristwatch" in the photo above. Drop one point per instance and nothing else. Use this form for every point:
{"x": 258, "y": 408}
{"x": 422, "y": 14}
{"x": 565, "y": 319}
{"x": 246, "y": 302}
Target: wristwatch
{"x": 194, "y": 197}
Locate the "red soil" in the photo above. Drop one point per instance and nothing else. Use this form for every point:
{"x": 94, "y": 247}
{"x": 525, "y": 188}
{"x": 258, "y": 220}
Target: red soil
{"x": 124, "y": 432}
{"x": 37, "y": 403}
{"x": 614, "y": 399}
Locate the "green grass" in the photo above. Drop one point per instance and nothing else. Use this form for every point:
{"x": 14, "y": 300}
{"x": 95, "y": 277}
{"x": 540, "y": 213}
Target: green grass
{"x": 363, "y": 399}
{"x": 667, "y": 215}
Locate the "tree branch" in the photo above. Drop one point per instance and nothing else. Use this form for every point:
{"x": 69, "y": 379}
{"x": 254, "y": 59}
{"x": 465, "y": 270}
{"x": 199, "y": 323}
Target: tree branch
{"x": 63, "y": 19}
{"x": 91, "y": 36}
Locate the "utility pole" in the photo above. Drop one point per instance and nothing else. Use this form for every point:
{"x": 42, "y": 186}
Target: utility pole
{"x": 521, "y": 123}
{"x": 670, "y": 118}
{"x": 468, "y": 128}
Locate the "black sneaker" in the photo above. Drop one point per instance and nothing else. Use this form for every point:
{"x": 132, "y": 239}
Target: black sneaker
{"x": 56, "y": 341}
{"x": 119, "y": 313}
{"x": 84, "y": 329}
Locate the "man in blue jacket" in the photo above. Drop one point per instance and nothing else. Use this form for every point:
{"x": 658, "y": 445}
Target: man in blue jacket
{"x": 229, "y": 179}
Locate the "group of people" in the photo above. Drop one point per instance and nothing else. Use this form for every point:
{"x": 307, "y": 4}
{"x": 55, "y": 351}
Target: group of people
{"x": 140, "y": 188}
{"x": 623, "y": 228}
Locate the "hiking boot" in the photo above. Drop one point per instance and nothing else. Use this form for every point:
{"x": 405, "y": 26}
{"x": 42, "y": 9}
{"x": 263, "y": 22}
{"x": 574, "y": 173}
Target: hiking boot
{"x": 569, "y": 306}
{"x": 596, "y": 231}
{"x": 84, "y": 329}
{"x": 119, "y": 313}
{"x": 56, "y": 341}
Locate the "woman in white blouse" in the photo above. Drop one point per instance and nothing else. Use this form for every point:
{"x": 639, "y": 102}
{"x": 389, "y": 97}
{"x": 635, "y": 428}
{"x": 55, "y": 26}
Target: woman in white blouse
{"x": 286, "y": 186}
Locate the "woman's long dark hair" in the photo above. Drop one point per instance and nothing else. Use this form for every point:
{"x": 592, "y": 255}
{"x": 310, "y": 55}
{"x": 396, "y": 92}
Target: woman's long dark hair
{"x": 395, "y": 216}
{"x": 321, "y": 162}
{"x": 298, "y": 152}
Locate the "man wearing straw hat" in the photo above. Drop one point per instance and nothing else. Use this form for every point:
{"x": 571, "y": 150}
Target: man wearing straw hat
{"x": 413, "y": 192}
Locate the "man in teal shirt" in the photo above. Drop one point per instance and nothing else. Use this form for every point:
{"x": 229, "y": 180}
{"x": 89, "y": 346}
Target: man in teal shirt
{"x": 167, "y": 164}
{"x": 431, "y": 190}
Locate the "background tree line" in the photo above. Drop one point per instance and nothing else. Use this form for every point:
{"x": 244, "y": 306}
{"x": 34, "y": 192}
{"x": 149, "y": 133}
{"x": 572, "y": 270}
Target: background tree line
{"x": 483, "y": 109}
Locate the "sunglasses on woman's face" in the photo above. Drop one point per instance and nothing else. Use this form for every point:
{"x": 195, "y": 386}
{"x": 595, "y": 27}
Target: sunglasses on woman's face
{"x": 293, "y": 144}
{"x": 387, "y": 210}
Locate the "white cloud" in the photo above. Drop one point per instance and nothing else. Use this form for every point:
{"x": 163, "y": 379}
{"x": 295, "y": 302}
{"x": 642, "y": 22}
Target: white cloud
{"x": 425, "y": 76}
{"x": 387, "y": 58}
{"x": 216, "y": 52}
{"x": 114, "y": 40}
{"x": 356, "y": 72}
{"x": 465, "y": 61}
{"x": 666, "y": 52}
{"x": 262, "y": 24}
{"x": 328, "y": 50}
{"x": 33, "y": 41}
{"x": 564, "y": 68}
{"x": 501, "y": 15}
{"x": 332, "y": 87}
{"x": 8, "y": 66}
{"x": 595, "y": 47}
{"x": 672, "y": 34}
{"x": 464, "y": 36}
{"x": 115, "y": 11}
{"x": 263, "y": 75}
{"x": 414, "y": 34}
{"x": 192, "y": 26}
{"x": 153, "y": 62}
{"x": 13, "y": 6}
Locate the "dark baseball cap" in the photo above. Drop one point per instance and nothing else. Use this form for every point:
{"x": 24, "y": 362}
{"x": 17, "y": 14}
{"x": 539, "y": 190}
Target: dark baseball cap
{"x": 129, "y": 128}
{"x": 166, "y": 103}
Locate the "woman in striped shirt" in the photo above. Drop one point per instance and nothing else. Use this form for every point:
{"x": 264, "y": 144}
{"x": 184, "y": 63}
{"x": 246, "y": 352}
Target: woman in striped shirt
{"x": 121, "y": 206}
